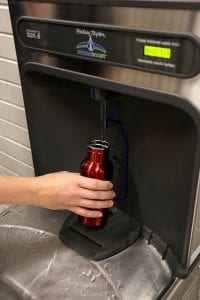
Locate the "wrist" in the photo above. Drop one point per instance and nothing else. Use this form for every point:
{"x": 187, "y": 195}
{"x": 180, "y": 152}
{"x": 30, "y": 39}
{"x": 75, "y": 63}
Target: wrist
{"x": 34, "y": 191}
{"x": 27, "y": 190}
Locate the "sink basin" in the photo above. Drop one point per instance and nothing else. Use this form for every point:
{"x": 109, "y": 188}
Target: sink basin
{"x": 8, "y": 292}
{"x": 35, "y": 264}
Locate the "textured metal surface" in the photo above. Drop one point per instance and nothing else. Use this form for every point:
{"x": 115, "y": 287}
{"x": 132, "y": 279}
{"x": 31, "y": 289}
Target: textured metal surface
{"x": 35, "y": 265}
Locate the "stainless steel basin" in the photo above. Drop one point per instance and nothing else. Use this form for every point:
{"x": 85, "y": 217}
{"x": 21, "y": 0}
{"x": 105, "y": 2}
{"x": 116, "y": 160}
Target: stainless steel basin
{"x": 8, "y": 292}
{"x": 34, "y": 264}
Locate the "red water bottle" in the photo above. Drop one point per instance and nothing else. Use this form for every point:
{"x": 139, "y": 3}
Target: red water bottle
{"x": 97, "y": 165}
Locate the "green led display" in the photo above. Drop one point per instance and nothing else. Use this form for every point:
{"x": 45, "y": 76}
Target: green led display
{"x": 159, "y": 52}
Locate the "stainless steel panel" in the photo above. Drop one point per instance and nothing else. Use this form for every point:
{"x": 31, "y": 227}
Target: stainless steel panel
{"x": 142, "y": 18}
{"x": 167, "y": 20}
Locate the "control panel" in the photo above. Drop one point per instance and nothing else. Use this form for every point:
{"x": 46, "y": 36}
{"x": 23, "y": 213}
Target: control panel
{"x": 159, "y": 52}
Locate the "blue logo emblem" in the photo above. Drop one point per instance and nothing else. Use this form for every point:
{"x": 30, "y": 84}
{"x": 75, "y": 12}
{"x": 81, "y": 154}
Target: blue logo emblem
{"x": 91, "y": 49}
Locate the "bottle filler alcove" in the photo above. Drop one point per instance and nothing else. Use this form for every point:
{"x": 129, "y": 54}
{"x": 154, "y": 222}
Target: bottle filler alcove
{"x": 149, "y": 74}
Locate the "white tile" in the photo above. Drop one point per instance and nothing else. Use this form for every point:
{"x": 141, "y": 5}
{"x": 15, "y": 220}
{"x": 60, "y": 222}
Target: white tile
{"x": 13, "y": 113}
{"x": 7, "y": 46}
{"x": 14, "y": 132}
{"x": 16, "y": 150}
{"x": 15, "y": 165}
{"x": 11, "y": 93}
{"x": 9, "y": 71}
{"x": 4, "y": 171}
{"x": 5, "y": 23}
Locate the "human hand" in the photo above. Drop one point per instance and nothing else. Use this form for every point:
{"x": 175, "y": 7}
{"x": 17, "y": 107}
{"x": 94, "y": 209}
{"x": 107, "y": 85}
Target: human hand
{"x": 73, "y": 192}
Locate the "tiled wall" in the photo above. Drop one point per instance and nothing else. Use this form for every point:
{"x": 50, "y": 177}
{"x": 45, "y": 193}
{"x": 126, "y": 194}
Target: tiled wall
{"x": 15, "y": 153}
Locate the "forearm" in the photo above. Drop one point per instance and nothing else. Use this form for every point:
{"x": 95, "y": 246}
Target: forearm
{"x": 17, "y": 190}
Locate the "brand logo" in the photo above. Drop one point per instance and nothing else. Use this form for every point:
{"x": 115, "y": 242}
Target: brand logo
{"x": 33, "y": 34}
{"x": 90, "y": 48}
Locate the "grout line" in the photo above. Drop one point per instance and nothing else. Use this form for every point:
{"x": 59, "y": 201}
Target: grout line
{"x": 6, "y": 169}
{"x": 6, "y": 102}
{"x": 8, "y": 61}
{"x": 12, "y": 123}
{"x": 15, "y": 142}
{"x": 4, "y": 6}
{"x": 10, "y": 83}
{"x": 16, "y": 159}
{"x": 8, "y": 58}
{"x": 6, "y": 34}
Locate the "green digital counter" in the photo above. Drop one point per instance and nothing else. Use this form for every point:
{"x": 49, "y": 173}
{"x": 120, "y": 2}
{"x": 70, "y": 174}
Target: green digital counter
{"x": 159, "y": 52}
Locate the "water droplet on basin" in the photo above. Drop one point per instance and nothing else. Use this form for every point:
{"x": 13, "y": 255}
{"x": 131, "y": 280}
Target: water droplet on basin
{"x": 106, "y": 265}
{"x": 89, "y": 273}
{"x": 119, "y": 284}
{"x": 113, "y": 296}
{"x": 93, "y": 278}
{"x": 98, "y": 275}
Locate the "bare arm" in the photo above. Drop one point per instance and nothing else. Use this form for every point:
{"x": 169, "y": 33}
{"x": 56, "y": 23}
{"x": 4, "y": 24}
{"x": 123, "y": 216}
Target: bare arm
{"x": 61, "y": 190}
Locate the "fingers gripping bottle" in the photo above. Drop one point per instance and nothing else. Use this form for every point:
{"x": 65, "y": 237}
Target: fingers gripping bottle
{"x": 97, "y": 165}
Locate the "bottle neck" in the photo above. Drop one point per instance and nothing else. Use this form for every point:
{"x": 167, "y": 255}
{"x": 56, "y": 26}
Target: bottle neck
{"x": 97, "y": 155}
